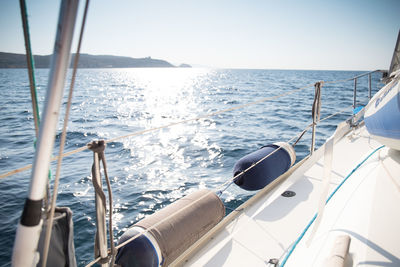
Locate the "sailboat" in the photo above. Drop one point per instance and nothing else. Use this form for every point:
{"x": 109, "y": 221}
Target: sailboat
{"x": 335, "y": 207}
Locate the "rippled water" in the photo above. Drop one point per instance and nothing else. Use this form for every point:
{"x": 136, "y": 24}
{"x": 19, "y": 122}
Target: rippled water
{"x": 151, "y": 170}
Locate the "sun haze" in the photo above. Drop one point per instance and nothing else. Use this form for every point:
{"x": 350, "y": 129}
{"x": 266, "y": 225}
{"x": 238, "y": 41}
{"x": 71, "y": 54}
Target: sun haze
{"x": 326, "y": 35}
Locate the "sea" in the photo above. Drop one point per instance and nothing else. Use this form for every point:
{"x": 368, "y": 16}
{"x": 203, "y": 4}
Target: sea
{"x": 151, "y": 170}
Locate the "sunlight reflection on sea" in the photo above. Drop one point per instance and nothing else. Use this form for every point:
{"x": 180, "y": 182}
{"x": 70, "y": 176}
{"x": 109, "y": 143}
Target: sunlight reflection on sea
{"x": 151, "y": 170}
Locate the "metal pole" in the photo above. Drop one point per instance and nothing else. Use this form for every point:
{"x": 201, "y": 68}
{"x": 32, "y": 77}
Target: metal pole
{"x": 355, "y": 93}
{"x": 313, "y": 138}
{"x": 31, "y": 66}
{"x": 369, "y": 86}
{"x": 29, "y": 228}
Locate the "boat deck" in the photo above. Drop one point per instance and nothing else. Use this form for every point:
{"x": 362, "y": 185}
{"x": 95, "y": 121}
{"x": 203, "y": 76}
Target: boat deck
{"x": 364, "y": 208}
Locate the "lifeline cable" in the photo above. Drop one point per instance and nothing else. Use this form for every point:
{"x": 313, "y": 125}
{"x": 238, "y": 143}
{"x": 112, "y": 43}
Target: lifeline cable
{"x": 228, "y": 182}
{"x": 27, "y": 167}
{"x": 83, "y": 148}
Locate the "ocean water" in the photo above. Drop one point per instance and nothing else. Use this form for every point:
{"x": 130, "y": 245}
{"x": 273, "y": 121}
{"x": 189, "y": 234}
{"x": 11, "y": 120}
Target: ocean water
{"x": 152, "y": 170}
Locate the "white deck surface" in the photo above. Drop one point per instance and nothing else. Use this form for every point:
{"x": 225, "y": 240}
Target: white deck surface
{"x": 366, "y": 208}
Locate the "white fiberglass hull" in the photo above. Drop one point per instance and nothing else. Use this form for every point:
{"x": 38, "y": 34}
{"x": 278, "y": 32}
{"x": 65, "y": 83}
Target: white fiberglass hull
{"x": 382, "y": 115}
{"x": 363, "y": 208}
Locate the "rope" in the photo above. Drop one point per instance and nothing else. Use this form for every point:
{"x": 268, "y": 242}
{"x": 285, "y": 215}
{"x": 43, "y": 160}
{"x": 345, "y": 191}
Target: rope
{"x": 321, "y": 120}
{"x": 340, "y": 81}
{"x": 110, "y": 222}
{"x": 62, "y": 144}
{"x": 226, "y": 184}
{"x": 316, "y": 112}
{"x": 27, "y": 167}
{"x": 302, "y": 134}
{"x": 223, "y": 190}
{"x": 100, "y": 153}
{"x": 329, "y": 198}
{"x": 98, "y": 148}
{"x": 100, "y": 245}
{"x": 355, "y": 77}
{"x": 316, "y": 107}
{"x": 210, "y": 114}
{"x": 83, "y": 148}
{"x": 335, "y": 114}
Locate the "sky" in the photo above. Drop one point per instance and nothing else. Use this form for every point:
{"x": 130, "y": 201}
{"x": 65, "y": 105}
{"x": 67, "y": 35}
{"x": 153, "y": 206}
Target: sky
{"x": 255, "y": 34}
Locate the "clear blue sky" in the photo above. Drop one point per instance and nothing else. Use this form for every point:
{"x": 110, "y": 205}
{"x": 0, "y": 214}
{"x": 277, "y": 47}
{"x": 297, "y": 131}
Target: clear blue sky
{"x": 280, "y": 34}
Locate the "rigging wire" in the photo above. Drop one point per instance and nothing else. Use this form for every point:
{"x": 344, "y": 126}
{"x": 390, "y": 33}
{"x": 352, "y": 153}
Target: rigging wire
{"x": 32, "y": 85}
{"x": 62, "y": 143}
{"x": 212, "y": 114}
{"x": 335, "y": 114}
{"x": 27, "y": 167}
{"x": 59, "y": 158}
{"x": 83, "y": 148}
{"x": 31, "y": 66}
{"x": 219, "y": 189}
{"x": 61, "y": 154}
{"x": 225, "y": 184}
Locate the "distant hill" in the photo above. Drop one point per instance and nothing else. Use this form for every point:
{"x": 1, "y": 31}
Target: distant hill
{"x": 10, "y": 60}
{"x": 184, "y": 66}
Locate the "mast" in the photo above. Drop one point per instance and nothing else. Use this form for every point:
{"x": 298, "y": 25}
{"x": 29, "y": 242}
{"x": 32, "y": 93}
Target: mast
{"x": 395, "y": 64}
{"x": 30, "y": 225}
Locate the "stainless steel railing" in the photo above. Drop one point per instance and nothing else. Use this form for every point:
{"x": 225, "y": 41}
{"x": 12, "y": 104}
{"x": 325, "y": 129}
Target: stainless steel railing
{"x": 369, "y": 85}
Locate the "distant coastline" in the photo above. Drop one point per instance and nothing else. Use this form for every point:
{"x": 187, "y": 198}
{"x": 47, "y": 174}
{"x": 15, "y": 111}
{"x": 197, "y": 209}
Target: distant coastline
{"x": 12, "y": 60}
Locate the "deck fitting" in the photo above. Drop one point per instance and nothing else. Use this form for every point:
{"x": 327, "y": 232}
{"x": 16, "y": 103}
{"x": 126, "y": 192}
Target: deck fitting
{"x": 288, "y": 194}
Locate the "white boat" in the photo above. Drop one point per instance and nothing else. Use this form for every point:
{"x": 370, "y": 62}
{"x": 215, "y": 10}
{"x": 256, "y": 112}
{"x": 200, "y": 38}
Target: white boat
{"x": 358, "y": 225}
{"x": 336, "y": 207}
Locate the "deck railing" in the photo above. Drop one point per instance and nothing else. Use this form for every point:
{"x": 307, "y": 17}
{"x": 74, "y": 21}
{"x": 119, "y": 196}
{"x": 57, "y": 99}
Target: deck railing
{"x": 317, "y": 96}
{"x": 369, "y": 85}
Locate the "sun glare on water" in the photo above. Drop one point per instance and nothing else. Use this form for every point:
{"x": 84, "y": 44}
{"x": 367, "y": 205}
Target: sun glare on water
{"x": 152, "y": 98}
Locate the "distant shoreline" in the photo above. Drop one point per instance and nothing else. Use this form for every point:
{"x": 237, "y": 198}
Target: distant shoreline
{"x": 18, "y": 61}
